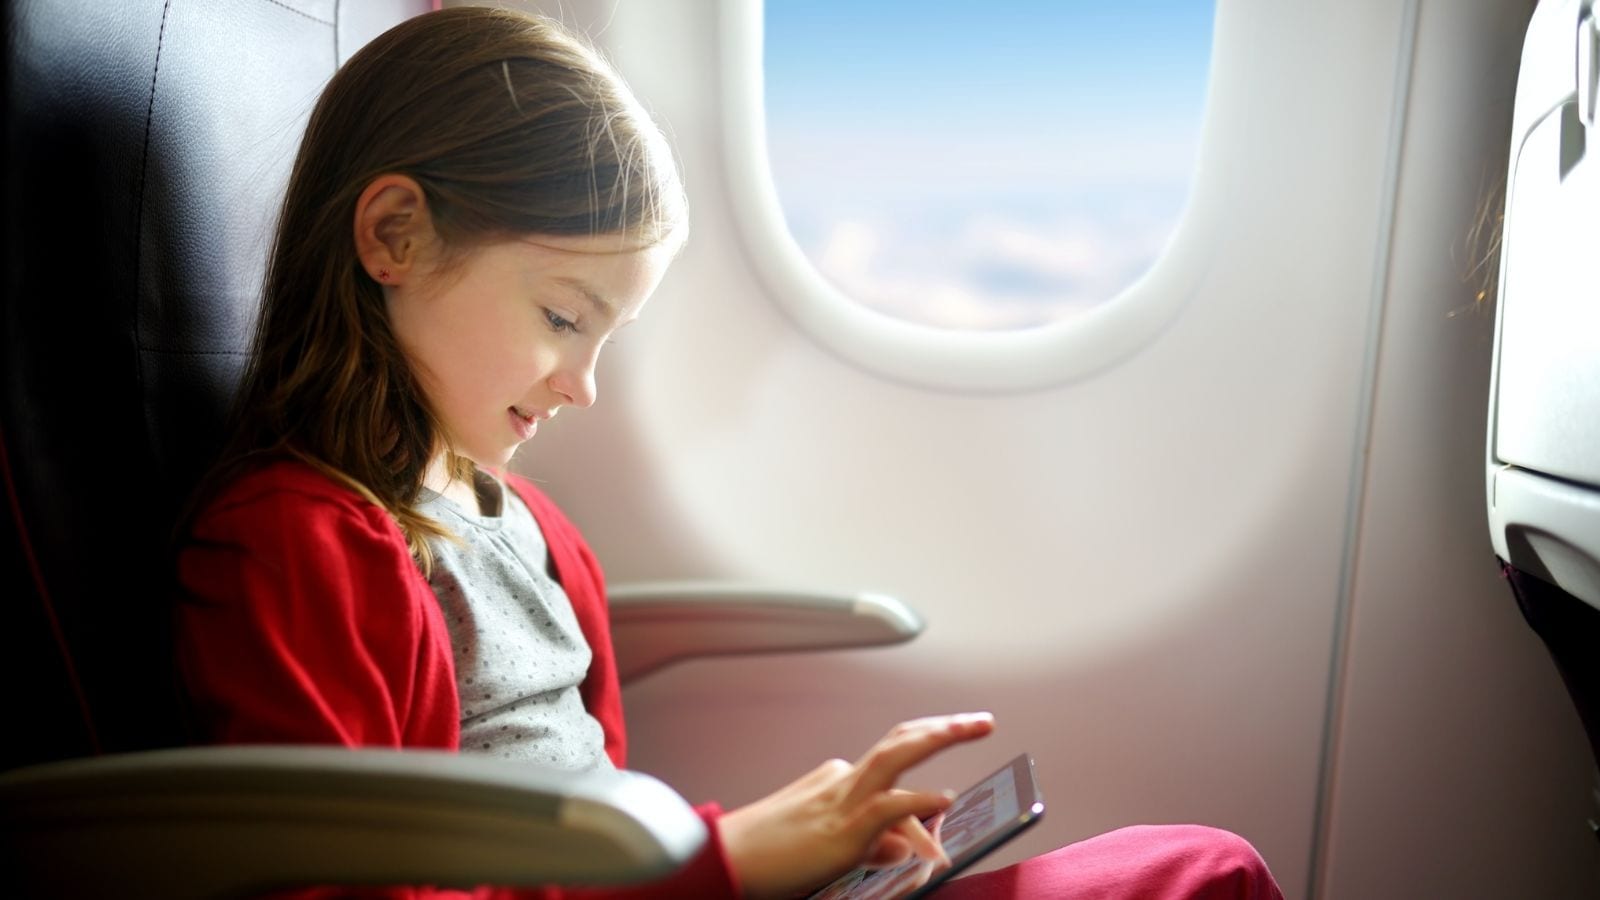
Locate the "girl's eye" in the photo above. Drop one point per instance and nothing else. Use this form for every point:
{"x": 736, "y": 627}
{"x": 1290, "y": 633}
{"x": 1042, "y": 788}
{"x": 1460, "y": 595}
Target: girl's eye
{"x": 558, "y": 323}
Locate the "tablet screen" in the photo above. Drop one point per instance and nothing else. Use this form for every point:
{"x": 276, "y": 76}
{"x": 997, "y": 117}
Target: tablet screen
{"x": 982, "y": 818}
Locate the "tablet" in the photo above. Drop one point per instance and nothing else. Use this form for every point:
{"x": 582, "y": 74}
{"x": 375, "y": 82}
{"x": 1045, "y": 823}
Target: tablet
{"x": 988, "y": 814}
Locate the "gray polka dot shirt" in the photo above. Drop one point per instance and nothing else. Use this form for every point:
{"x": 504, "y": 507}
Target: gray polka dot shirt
{"x": 519, "y": 654}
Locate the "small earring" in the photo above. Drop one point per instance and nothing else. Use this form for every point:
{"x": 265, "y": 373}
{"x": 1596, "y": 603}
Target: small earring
{"x": 383, "y": 274}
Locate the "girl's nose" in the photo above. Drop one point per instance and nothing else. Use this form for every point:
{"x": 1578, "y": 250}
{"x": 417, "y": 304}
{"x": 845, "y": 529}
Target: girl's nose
{"x": 576, "y": 383}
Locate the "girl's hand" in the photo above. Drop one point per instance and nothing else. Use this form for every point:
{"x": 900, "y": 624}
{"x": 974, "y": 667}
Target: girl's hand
{"x": 843, "y": 815}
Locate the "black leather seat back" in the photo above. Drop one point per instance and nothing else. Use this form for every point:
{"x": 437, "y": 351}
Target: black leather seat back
{"x": 147, "y": 145}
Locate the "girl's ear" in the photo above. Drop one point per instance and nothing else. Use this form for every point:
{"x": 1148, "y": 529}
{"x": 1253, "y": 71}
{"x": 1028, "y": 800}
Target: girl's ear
{"x": 392, "y": 227}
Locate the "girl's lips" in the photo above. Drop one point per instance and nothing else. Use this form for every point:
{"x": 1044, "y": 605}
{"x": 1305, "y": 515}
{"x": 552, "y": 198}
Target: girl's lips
{"x": 525, "y": 426}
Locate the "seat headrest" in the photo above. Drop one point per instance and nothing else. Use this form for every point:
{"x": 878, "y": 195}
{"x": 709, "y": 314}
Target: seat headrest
{"x": 147, "y": 146}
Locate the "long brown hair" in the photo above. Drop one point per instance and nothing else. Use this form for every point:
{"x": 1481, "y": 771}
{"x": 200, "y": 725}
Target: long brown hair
{"x": 512, "y": 127}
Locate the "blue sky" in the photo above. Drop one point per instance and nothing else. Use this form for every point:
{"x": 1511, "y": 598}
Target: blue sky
{"x": 989, "y": 168}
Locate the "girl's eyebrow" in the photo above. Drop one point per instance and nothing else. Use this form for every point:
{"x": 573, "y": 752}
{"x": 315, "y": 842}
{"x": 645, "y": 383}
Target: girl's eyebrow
{"x": 589, "y": 293}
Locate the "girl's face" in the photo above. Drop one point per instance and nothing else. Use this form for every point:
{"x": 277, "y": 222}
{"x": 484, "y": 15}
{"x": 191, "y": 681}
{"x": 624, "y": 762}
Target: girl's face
{"x": 506, "y": 337}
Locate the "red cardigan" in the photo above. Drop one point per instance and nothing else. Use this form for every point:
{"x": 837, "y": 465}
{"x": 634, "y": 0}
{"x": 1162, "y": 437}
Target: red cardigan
{"x": 304, "y": 620}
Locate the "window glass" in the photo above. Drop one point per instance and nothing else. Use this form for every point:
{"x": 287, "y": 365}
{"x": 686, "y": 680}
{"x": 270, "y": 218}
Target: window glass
{"x": 983, "y": 166}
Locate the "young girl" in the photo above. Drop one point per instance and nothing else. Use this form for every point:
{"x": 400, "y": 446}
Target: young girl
{"x": 477, "y": 206}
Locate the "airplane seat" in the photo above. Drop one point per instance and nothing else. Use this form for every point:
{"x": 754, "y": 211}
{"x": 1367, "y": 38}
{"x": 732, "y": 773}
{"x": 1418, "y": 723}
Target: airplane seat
{"x": 1543, "y": 448}
{"x": 147, "y": 146}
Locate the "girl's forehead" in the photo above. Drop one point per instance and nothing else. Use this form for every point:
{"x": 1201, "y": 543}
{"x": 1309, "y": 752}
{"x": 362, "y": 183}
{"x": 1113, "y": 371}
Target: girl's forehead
{"x": 604, "y": 272}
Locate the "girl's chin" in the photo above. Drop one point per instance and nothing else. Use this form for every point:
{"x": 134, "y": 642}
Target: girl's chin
{"x": 497, "y": 462}
{"x": 497, "y": 458}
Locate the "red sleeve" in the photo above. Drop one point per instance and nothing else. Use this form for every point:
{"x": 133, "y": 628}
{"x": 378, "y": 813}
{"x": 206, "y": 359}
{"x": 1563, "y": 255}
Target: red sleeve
{"x": 585, "y": 585}
{"x": 304, "y": 620}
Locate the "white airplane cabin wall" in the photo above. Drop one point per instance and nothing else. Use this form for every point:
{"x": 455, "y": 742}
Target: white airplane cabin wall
{"x": 1239, "y": 577}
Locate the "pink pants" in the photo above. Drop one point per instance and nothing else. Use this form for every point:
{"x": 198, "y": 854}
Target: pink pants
{"x": 1147, "y": 862}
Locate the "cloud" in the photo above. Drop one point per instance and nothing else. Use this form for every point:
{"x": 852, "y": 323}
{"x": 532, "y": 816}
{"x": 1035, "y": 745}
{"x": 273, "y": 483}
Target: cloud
{"x": 986, "y": 269}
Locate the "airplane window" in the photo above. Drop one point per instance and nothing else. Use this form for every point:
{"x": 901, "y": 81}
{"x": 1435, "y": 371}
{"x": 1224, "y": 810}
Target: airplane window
{"x": 995, "y": 167}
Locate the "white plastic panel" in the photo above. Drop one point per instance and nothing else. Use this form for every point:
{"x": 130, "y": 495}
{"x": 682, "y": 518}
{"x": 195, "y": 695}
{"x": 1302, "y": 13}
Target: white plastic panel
{"x": 1549, "y": 528}
{"x": 655, "y": 624}
{"x": 1549, "y": 367}
{"x": 1543, "y": 462}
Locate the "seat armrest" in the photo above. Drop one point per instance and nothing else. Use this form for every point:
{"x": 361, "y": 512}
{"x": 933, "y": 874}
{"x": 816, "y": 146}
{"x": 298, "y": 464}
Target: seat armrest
{"x": 228, "y": 821}
{"x": 655, "y": 624}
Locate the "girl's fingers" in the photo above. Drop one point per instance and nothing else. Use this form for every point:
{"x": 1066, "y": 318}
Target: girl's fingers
{"x": 938, "y": 834}
{"x": 889, "y": 809}
{"x": 841, "y": 813}
{"x": 923, "y": 843}
{"x": 910, "y": 743}
{"x": 891, "y": 850}
{"x": 907, "y": 838}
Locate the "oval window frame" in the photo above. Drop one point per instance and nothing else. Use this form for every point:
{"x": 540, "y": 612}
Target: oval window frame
{"x": 924, "y": 355}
